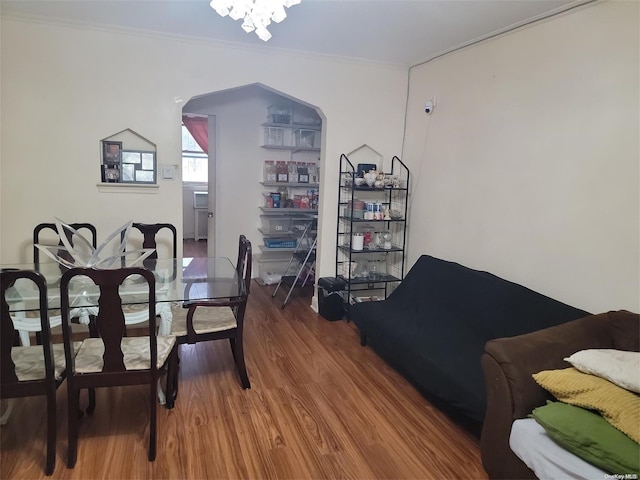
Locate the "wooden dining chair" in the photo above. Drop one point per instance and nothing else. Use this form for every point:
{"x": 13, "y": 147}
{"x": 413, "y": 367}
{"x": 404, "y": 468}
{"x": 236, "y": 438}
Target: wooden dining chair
{"x": 113, "y": 359}
{"x": 31, "y": 370}
{"x": 205, "y": 320}
{"x": 48, "y": 233}
{"x": 151, "y": 233}
{"x": 150, "y": 239}
{"x": 38, "y": 230}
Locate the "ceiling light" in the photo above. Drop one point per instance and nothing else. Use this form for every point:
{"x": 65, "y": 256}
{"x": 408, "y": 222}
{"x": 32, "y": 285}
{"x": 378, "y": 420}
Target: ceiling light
{"x": 257, "y": 14}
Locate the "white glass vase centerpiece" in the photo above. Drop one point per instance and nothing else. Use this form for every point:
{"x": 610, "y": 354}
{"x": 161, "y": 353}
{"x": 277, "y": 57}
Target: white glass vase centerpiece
{"x": 83, "y": 254}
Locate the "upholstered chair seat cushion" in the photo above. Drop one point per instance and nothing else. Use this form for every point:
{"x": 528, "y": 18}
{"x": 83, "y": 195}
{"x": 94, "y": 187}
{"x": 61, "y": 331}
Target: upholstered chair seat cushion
{"x": 135, "y": 349}
{"x": 29, "y": 361}
{"x": 205, "y": 320}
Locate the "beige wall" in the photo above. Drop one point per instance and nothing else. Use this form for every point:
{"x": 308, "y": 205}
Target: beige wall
{"x": 65, "y": 88}
{"x": 529, "y": 165}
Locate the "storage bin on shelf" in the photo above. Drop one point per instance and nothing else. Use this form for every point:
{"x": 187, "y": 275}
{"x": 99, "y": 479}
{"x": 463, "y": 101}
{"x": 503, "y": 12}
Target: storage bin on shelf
{"x": 280, "y": 243}
{"x": 274, "y": 136}
{"x": 274, "y": 224}
{"x": 305, "y": 138}
{"x": 270, "y": 270}
{"x": 279, "y": 114}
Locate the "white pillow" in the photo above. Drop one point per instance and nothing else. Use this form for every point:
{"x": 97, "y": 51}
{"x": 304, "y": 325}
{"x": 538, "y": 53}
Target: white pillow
{"x": 617, "y": 366}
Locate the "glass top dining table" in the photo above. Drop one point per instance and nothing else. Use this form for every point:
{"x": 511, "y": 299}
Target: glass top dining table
{"x": 177, "y": 280}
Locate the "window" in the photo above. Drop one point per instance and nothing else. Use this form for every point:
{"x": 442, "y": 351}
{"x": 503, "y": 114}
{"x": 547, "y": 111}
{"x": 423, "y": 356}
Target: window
{"x": 195, "y": 163}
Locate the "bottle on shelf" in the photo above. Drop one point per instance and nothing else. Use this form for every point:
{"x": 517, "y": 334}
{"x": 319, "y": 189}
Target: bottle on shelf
{"x": 275, "y": 199}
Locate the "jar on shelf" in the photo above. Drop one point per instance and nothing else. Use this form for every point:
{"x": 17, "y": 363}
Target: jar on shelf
{"x": 313, "y": 172}
{"x": 270, "y": 171}
{"x": 377, "y": 211}
{"x": 373, "y": 270}
{"x": 357, "y": 241}
{"x": 368, "y": 213}
{"x": 268, "y": 200}
{"x": 386, "y": 238}
{"x": 367, "y": 233}
{"x": 293, "y": 172}
{"x": 303, "y": 172}
{"x": 282, "y": 172}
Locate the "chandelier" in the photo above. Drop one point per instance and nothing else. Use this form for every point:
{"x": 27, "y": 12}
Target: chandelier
{"x": 257, "y": 14}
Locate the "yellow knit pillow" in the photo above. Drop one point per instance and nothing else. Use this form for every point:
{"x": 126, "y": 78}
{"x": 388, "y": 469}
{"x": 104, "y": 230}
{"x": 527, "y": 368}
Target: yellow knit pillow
{"x": 620, "y": 407}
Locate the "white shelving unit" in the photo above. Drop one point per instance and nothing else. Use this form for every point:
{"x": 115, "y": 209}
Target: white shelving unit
{"x": 290, "y": 140}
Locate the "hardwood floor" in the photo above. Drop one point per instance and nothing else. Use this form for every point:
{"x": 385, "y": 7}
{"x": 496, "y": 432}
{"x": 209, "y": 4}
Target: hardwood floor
{"x": 320, "y": 406}
{"x": 191, "y": 248}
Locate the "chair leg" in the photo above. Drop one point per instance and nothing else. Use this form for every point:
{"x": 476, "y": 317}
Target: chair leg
{"x": 4, "y": 418}
{"x": 172, "y": 378}
{"x": 239, "y": 358}
{"x": 93, "y": 329}
{"x": 162, "y": 397}
{"x": 73, "y": 402}
{"x": 233, "y": 347}
{"x": 92, "y": 401}
{"x": 152, "y": 421}
{"x": 51, "y": 432}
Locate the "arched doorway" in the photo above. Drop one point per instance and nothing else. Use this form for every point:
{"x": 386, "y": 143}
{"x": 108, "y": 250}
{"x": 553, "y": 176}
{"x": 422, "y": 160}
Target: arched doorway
{"x": 248, "y": 126}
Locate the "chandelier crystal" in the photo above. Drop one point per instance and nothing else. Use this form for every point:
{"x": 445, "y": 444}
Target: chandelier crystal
{"x": 257, "y": 14}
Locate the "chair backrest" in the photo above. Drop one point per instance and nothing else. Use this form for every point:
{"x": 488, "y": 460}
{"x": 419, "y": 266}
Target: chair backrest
{"x": 52, "y": 226}
{"x": 7, "y": 330}
{"x": 110, "y": 320}
{"x": 150, "y": 231}
{"x": 243, "y": 265}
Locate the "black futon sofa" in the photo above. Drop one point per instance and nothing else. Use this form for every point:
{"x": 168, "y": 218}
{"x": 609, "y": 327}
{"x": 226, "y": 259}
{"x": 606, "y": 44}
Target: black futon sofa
{"x": 434, "y": 326}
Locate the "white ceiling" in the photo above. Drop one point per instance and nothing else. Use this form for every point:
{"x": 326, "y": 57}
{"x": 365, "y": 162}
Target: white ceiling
{"x": 403, "y": 32}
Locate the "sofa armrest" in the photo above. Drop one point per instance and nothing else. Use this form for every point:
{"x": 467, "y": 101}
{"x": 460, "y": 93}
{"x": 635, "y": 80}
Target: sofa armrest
{"x": 497, "y": 458}
{"x": 509, "y": 363}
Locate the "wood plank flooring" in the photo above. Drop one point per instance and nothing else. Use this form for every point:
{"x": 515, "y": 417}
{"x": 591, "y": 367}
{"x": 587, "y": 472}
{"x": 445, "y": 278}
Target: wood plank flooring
{"x": 191, "y": 248}
{"x": 320, "y": 406}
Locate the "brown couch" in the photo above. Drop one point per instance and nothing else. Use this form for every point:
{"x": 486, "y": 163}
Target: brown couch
{"x": 508, "y": 364}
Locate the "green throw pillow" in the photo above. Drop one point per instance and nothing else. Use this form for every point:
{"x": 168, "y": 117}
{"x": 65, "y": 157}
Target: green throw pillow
{"x": 590, "y": 437}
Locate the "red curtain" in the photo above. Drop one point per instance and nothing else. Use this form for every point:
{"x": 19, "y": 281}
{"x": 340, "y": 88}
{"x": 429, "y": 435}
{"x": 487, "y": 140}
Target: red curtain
{"x": 199, "y": 129}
